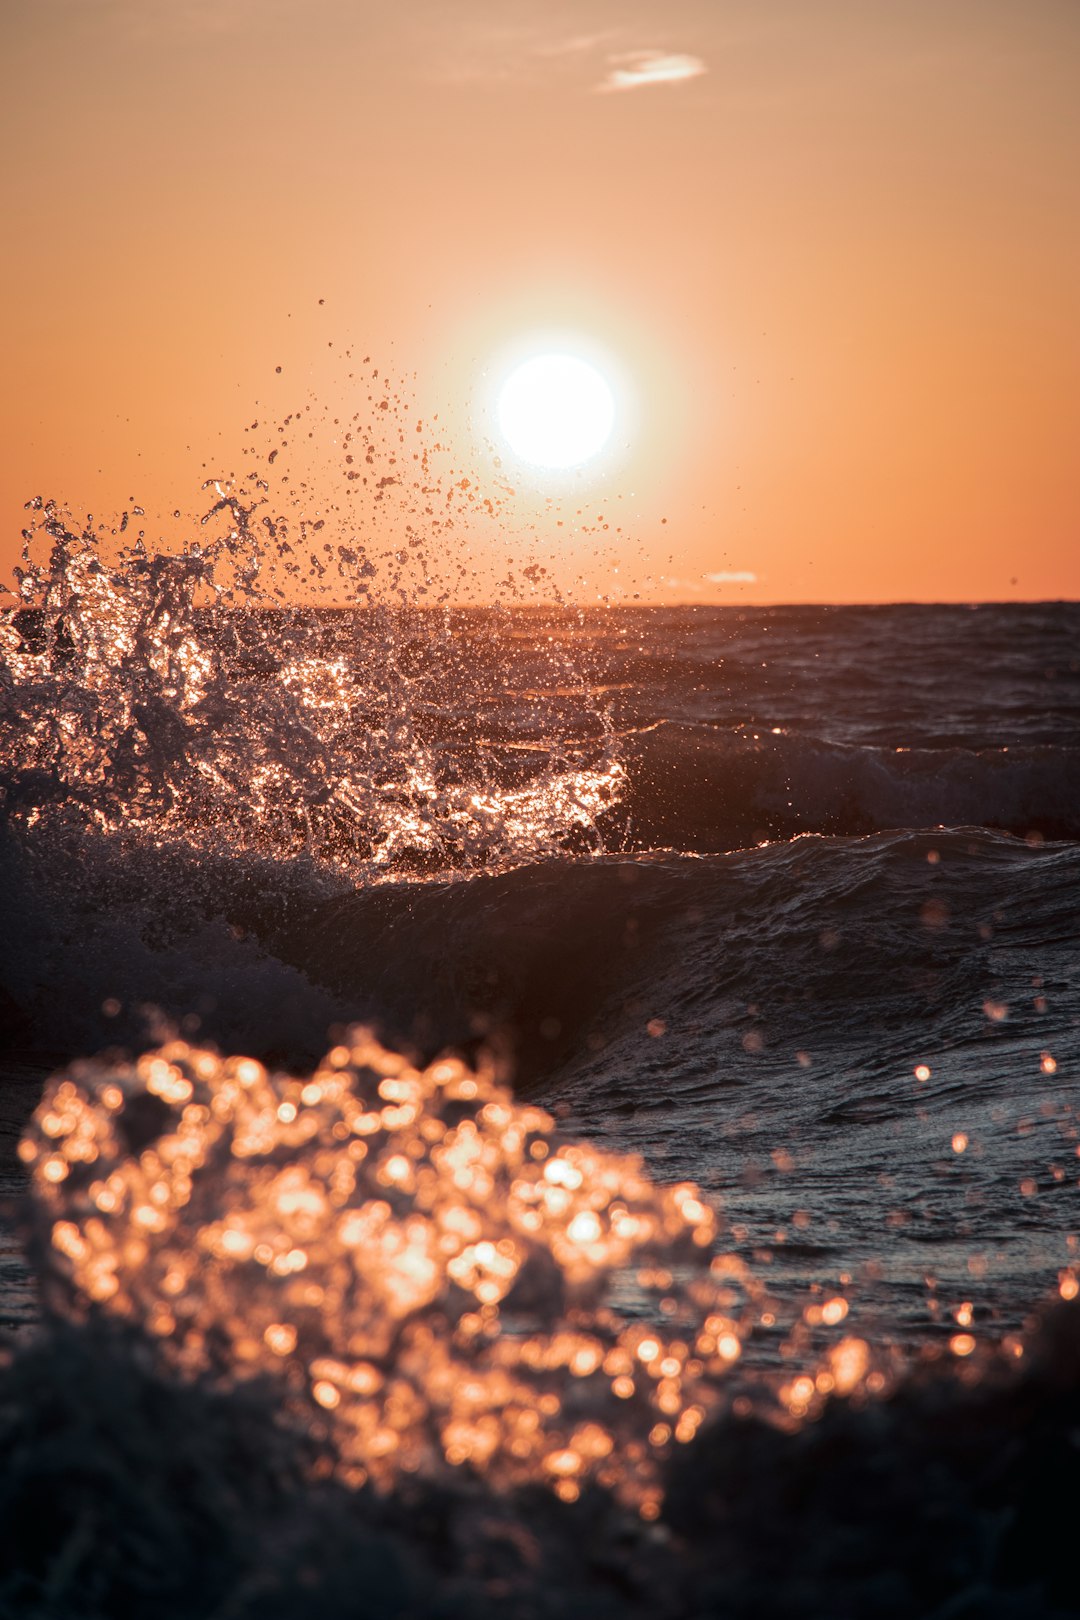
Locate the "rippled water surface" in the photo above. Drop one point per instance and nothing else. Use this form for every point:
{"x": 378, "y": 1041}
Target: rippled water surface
{"x": 780, "y": 902}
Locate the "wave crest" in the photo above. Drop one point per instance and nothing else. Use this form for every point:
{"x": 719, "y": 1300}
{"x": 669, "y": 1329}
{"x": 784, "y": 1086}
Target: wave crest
{"x": 162, "y": 696}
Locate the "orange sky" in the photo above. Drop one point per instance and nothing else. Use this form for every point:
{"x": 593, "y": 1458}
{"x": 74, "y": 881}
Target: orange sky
{"x": 835, "y": 246}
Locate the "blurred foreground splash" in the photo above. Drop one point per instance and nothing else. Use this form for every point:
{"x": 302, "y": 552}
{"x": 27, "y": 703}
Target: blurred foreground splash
{"x": 424, "y": 1259}
{"x": 382, "y": 1341}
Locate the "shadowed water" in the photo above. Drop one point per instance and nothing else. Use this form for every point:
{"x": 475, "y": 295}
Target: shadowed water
{"x": 781, "y": 903}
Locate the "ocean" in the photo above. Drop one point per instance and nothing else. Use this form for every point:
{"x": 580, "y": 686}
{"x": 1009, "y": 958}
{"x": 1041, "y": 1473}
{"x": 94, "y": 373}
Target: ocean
{"x": 756, "y": 925}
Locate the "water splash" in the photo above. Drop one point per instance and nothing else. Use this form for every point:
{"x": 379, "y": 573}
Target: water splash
{"x": 429, "y": 1265}
{"x": 164, "y": 695}
{"x": 425, "y": 1257}
{"x": 431, "y": 1274}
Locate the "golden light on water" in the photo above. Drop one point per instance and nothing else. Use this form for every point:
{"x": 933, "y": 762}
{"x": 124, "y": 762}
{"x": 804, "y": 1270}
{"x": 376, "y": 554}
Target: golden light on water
{"x": 420, "y": 1255}
{"x": 430, "y": 1272}
{"x": 425, "y": 1265}
{"x": 280, "y": 771}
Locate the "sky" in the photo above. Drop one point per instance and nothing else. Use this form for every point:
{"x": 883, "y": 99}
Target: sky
{"x": 827, "y": 251}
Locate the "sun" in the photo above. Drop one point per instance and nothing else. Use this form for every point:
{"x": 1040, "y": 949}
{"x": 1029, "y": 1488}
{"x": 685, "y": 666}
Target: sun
{"x": 556, "y": 411}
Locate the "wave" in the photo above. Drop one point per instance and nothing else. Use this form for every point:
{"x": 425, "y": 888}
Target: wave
{"x": 561, "y": 953}
{"x": 694, "y": 787}
{"x": 164, "y": 698}
{"x": 795, "y": 1027}
{"x": 550, "y": 960}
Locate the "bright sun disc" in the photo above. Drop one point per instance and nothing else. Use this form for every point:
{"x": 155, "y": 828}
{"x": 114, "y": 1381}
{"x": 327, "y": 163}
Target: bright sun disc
{"x": 556, "y": 411}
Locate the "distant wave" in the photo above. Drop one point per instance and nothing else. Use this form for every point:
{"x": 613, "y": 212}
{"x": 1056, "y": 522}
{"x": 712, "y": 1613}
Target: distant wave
{"x": 554, "y": 950}
{"x": 695, "y": 787}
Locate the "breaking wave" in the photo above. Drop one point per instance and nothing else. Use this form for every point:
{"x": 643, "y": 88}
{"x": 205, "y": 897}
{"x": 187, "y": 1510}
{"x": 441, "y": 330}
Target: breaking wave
{"x": 159, "y": 696}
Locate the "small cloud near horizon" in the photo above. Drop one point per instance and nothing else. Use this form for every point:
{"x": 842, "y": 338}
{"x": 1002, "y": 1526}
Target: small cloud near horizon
{"x": 633, "y": 70}
{"x": 741, "y": 576}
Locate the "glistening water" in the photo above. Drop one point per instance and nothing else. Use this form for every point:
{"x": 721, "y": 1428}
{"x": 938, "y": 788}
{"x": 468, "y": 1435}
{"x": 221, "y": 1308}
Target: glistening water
{"x": 752, "y": 933}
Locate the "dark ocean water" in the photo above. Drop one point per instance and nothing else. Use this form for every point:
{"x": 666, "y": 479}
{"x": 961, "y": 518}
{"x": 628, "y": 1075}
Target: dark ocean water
{"x": 716, "y": 882}
{"x": 782, "y": 902}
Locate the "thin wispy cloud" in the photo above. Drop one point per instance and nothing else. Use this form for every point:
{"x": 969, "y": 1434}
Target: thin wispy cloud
{"x": 735, "y": 576}
{"x": 635, "y": 70}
